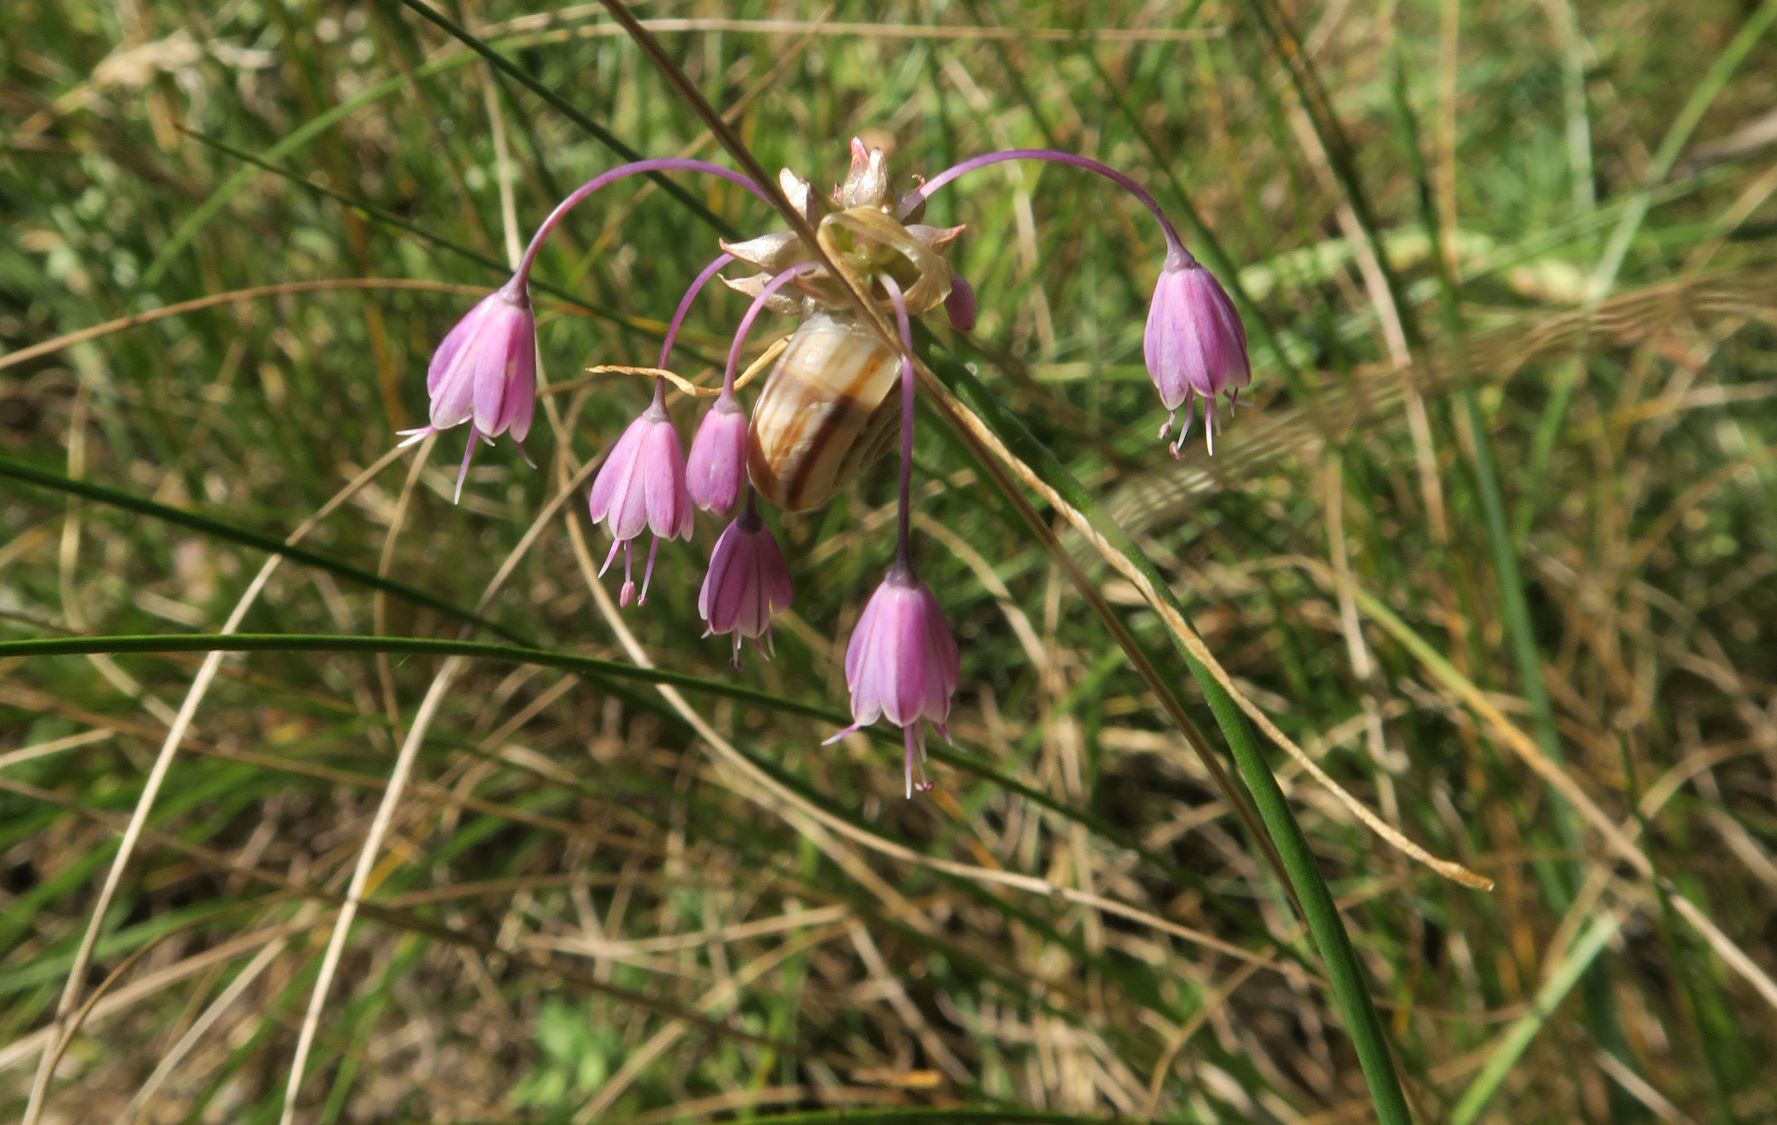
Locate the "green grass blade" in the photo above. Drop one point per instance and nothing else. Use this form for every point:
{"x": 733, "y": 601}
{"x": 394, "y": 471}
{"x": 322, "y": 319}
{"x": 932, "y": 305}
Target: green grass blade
{"x": 567, "y": 109}
{"x": 1721, "y": 68}
{"x": 1351, "y": 993}
{"x": 129, "y": 502}
{"x": 1512, "y": 1044}
{"x": 1602, "y": 1017}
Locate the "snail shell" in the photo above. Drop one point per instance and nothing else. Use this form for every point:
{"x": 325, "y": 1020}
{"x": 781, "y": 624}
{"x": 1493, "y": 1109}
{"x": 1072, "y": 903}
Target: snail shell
{"x": 829, "y": 408}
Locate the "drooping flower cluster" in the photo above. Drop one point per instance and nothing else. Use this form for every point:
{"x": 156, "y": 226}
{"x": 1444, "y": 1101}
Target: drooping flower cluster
{"x": 832, "y": 403}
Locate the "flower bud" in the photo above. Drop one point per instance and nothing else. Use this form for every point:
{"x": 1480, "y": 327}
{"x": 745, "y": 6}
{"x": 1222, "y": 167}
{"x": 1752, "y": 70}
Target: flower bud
{"x": 960, "y": 304}
{"x": 718, "y": 463}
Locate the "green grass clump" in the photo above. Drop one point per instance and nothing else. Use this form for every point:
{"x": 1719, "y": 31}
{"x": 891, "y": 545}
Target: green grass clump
{"x": 1493, "y": 544}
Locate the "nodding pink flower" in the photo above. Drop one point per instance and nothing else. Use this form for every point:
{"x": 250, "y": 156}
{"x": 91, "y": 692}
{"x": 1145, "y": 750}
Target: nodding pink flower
{"x": 960, "y": 304}
{"x": 718, "y": 463}
{"x": 747, "y": 583}
{"x": 1195, "y": 346}
{"x": 485, "y": 373}
{"x": 641, "y": 487}
{"x": 901, "y": 665}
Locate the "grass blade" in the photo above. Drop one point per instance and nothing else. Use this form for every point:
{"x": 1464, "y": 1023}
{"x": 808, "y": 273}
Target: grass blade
{"x": 1512, "y": 1044}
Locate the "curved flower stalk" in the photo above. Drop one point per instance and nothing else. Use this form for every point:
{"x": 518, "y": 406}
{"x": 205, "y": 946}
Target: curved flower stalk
{"x": 831, "y": 404}
{"x": 1195, "y": 345}
{"x": 719, "y": 452}
{"x": 485, "y": 370}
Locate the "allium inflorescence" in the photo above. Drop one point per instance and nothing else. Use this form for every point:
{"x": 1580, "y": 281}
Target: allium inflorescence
{"x": 832, "y": 403}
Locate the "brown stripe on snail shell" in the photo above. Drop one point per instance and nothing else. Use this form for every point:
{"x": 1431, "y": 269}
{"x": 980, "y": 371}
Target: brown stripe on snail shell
{"x": 828, "y": 409}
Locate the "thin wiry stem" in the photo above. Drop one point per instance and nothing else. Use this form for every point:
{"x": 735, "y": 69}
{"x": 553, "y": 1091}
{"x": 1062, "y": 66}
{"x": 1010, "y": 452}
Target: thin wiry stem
{"x": 379, "y": 828}
{"x": 702, "y": 279}
{"x": 747, "y": 318}
{"x": 904, "y": 518}
{"x": 1177, "y": 256}
{"x": 157, "y": 774}
{"x": 398, "y": 776}
{"x": 521, "y": 276}
{"x": 434, "y": 696}
{"x": 730, "y": 140}
{"x": 211, "y": 300}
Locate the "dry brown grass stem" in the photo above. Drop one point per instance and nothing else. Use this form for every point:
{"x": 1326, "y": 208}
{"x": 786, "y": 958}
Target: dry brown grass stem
{"x": 233, "y": 296}
{"x": 550, "y": 26}
{"x": 981, "y": 435}
{"x": 686, "y": 386}
{"x": 157, "y": 774}
{"x": 1525, "y": 747}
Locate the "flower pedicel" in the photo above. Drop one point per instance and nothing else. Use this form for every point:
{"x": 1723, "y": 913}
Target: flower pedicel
{"x": 830, "y": 406}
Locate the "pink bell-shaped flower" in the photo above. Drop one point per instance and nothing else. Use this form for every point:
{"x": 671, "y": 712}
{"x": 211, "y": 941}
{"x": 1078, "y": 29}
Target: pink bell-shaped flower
{"x": 1195, "y": 346}
{"x": 901, "y": 665}
{"x": 485, "y": 373}
{"x": 718, "y": 464}
{"x": 641, "y": 487}
{"x": 747, "y": 583}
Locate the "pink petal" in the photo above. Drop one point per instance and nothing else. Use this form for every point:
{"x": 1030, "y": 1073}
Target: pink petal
{"x": 453, "y": 343}
{"x": 912, "y": 665}
{"x": 612, "y": 482}
{"x": 721, "y": 562}
{"x": 661, "y": 481}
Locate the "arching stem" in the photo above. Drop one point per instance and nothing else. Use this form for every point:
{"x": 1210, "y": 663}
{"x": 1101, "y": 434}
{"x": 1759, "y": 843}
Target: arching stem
{"x": 697, "y": 284}
{"x": 521, "y": 276}
{"x": 1177, "y": 257}
{"x": 747, "y": 318}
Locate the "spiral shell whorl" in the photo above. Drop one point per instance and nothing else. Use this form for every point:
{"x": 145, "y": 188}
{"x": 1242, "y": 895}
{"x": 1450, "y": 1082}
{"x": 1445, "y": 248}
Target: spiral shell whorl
{"x": 828, "y": 409}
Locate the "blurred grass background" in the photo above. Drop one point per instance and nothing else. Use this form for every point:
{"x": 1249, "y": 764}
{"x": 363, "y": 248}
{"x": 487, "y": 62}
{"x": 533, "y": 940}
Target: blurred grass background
{"x": 1537, "y": 235}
